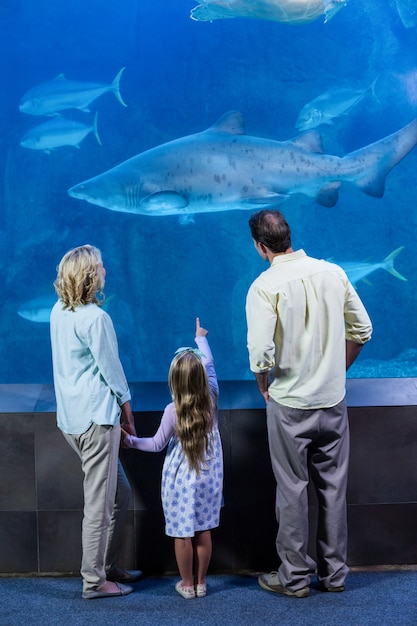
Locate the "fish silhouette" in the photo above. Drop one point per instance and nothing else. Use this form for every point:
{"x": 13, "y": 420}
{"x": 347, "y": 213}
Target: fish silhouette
{"x": 58, "y": 132}
{"x": 330, "y": 105}
{"x": 286, "y": 11}
{"x": 360, "y": 270}
{"x": 38, "y": 309}
{"x": 223, "y": 169}
{"x": 61, "y": 94}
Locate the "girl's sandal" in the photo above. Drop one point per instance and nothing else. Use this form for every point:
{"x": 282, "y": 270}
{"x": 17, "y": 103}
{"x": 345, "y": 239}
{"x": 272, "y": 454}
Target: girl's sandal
{"x": 200, "y": 590}
{"x": 186, "y": 592}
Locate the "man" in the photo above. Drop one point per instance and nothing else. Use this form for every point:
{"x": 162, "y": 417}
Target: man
{"x": 306, "y": 326}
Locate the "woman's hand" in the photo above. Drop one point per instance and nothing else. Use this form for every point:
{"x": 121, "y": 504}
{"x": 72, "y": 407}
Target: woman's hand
{"x": 124, "y": 434}
{"x": 127, "y": 421}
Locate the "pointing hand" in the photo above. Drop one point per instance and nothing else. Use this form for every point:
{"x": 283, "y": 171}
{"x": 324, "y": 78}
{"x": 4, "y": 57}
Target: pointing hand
{"x": 199, "y": 331}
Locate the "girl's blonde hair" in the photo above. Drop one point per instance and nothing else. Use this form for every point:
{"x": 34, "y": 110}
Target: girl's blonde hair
{"x": 190, "y": 392}
{"x": 80, "y": 277}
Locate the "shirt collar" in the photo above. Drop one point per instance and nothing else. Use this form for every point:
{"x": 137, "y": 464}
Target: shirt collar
{"x": 291, "y": 256}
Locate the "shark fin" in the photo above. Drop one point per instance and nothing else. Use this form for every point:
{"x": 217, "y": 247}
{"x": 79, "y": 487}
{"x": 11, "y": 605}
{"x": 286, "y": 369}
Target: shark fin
{"x": 164, "y": 199}
{"x": 232, "y": 123}
{"x": 310, "y": 140}
{"x": 186, "y": 218}
{"x": 269, "y": 200}
{"x": 373, "y": 186}
{"x": 328, "y": 195}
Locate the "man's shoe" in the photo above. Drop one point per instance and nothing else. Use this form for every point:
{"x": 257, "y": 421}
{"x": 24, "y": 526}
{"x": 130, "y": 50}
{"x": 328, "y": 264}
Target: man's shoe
{"x": 271, "y": 582}
{"x": 118, "y": 575}
{"x": 332, "y": 589}
{"x": 123, "y": 590}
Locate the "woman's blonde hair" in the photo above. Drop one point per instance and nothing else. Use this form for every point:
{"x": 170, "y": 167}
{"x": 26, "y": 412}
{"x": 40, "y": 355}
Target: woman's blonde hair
{"x": 190, "y": 392}
{"x": 80, "y": 277}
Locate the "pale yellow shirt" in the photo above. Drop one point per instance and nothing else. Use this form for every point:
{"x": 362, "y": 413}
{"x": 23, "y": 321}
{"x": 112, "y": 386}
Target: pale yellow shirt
{"x": 300, "y": 312}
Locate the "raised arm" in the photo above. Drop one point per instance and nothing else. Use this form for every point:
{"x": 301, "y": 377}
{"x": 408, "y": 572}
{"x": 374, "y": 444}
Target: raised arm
{"x": 207, "y": 358}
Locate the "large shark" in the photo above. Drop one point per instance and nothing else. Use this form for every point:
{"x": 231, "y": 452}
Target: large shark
{"x": 221, "y": 169}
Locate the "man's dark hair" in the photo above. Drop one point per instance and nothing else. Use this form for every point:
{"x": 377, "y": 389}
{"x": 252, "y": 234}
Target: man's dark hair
{"x": 271, "y": 228}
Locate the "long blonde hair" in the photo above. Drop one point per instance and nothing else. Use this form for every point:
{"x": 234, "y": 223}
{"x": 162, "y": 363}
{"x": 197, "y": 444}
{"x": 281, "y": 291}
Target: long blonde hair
{"x": 190, "y": 392}
{"x": 80, "y": 277}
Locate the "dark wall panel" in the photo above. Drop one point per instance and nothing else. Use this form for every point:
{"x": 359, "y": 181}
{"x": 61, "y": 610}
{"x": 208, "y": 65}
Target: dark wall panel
{"x": 41, "y": 494}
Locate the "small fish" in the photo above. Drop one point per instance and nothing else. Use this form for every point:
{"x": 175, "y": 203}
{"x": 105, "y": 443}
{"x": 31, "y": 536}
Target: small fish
{"x": 330, "y": 105}
{"x": 285, "y": 11}
{"x": 61, "y": 94}
{"x": 357, "y": 270}
{"x": 58, "y": 132}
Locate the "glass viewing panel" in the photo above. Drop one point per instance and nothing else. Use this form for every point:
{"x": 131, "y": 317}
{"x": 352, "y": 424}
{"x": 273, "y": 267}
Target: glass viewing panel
{"x": 173, "y": 225}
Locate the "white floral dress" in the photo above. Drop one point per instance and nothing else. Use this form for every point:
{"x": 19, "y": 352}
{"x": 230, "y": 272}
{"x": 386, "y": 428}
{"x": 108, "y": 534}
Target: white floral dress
{"x": 191, "y": 502}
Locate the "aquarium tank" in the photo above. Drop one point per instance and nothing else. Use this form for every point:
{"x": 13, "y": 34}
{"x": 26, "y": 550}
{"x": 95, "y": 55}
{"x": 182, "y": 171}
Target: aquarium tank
{"x": 153, "y": 130}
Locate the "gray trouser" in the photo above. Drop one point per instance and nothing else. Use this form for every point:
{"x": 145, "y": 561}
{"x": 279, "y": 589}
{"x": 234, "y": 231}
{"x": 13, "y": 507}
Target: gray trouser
{"x": 106, "y": 500}
{"x": 310, "y": 445}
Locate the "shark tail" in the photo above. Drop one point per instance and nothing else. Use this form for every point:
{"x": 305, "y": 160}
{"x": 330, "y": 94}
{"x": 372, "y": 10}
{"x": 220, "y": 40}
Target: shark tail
{"x": 95, "y": 129}
{"x": 374, "y": 162}
{"x": 389, "y": 263}
{"x": 116, "y": 87}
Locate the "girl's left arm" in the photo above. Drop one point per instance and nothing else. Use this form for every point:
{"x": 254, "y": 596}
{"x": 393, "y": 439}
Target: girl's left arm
{"x": 161, "y": 438}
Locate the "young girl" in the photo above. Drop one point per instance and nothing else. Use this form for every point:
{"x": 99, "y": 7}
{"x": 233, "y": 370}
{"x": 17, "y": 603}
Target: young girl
{"x": 192, "y": 475}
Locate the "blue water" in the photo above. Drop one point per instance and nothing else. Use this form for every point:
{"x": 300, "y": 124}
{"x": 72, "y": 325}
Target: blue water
{"x": 180, "y": 77}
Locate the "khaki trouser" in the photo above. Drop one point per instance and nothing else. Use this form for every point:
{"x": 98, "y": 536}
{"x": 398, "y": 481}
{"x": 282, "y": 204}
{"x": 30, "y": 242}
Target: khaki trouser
{"x": 310, "y": 445}
{"x": 106, "y": 499}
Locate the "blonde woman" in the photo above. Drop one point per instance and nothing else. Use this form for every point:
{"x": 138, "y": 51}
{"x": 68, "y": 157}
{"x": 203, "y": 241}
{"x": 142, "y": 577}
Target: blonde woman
{"x": 192, "y": 475}
{"x": 91, "y": 396}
